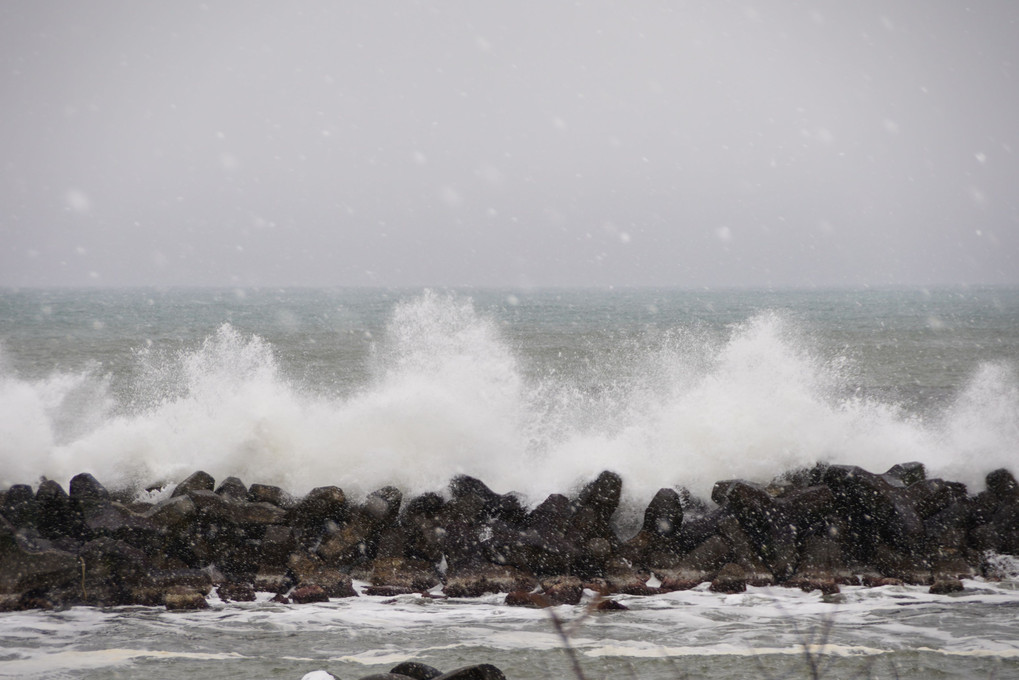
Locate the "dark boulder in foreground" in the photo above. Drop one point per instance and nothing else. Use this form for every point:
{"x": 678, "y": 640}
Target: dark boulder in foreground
{"x": 815, "y": 529}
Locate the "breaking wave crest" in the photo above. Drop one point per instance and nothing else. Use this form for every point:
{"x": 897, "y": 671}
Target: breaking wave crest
{"x": 448, "y": 394}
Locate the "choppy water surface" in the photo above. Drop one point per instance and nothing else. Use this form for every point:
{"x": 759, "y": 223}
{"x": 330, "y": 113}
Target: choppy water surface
{"x": 884, "y": 632}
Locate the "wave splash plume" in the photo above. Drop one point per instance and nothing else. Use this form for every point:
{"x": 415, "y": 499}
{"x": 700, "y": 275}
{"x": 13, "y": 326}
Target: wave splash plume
{"x": 449, "y": 393}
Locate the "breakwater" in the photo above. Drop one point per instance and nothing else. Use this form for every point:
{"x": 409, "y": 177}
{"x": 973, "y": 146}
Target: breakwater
{"x": 814, "y": 529}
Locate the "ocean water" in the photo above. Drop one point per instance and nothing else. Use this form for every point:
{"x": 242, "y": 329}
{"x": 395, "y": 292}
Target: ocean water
{"x": 533, "y": 391}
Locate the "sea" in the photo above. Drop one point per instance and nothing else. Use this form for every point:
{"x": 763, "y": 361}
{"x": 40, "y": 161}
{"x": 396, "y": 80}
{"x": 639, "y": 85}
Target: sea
{"x": 533, "y": 391}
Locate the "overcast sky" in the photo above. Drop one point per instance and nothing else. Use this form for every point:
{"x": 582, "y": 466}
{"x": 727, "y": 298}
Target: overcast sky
{"x": 511, "y": 144}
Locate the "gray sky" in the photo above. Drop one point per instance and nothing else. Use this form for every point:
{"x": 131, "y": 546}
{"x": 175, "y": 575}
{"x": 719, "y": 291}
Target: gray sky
{"x": 518, "y": 143}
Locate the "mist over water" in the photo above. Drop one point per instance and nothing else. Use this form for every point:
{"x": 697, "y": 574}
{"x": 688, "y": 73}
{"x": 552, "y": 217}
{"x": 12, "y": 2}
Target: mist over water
{"x": 448, "y": 387}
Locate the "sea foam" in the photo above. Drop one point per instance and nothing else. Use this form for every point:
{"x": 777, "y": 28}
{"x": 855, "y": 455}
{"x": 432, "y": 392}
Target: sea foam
{"x": 447, "y": 394}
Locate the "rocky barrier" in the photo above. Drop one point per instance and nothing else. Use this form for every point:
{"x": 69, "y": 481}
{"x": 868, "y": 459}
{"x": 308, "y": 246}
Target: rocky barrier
{"x": 814, "y": 529}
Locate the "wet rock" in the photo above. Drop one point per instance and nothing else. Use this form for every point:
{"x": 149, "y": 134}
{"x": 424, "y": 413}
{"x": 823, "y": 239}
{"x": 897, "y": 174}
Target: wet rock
{"x": 610, "y": 606}
{"x": 322, "y": 504}
{"x": 55, "y": 517}
{"x": 931, "y": 496}
{"x": 945, "y": 586}
{"x": 413, "y": 575}
{"x": 488, "y": 579}
{"x": 525, "y": 598}
{"x": 700, "y": 565}
{"x": 196, "y": 481}
{"x": 562, "y": 590}
{"x": 602, "y": 495}
{"x": 903, "y": 566}
{"x": 269, "y": 581}
{"x": 275, "y": 546}
{"x": 29, "y": 565}
{"x": 225, "y": 509}
{"x": 85, "y": 487}
{"x": 173, "y": 513}
{"x": 233, "y": 487}
{"x": 388, "y": 591}
{"x": 1002, "y": 485}
{"x": 383, "y": 506}
{"x": 664, "y": 514}
{"x": 478, "y": 672}
{"x": 551, "y": 517}
{"x": 730, "y": 579}
{"x": 417, "y": 671}
{"x": 19, "y": 506}
{"x": 622, "y": 578}
{"x": 308, "y": 594}
{"x": 110, "y": 571}
{"x": 906, "y": 474}
{"x": 506, "y": 507}
{"x": 876, "y": 510}
{"x": 264, "y": 493}
{"x": 765, "y": 522}
{"x": 184, "y": 599}
{"x": 236, "y": 592}
{"x": 308, "y": 570}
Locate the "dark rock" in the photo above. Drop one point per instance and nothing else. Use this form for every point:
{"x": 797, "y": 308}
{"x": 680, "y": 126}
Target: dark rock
{"x": 383, "y": 506}
{"x": 906, "y": 474}
{"x": 622, "y": 578}
{"x": 236, "y": 592}
{"x": 695, "y": 530}
{"x": 417, "y": 671}
{"x": 234, "y": 488}
{"x": 194, "y": 579}
{"x": 931, "y": 496}
{"x": 388, "y": 591}
{"x": 906, "y": 567}
{"x": 767, "y": 523}
{"x": 562, "y": 590}
{"x": 267, "y": 581}
{"x": 173, "y": 513}
{"x": 308, "y": 594}
{"x": 875, "y": 509}
{"x": 525, "y": 598}
{"x": 602, "y": 495}
{"x": 264, "y": 493}
{"x": 19, "y": 506}
{"x": 308, "y": 570}
{"x": 276, "y": 544}
{"x": 1002, "y": 485}
{"x": 27, "y": 566}
{"x": 698, "y": 566}
{"x": 611, "y": 606}
{"x": 551, "y": 517}
{"x": 322, "y": 504}
{"x": 488, "y": 579}
{"x": 196, "y": 481}
{"x": 184, "y": 599}
{"x": 85, "y": 487}
{"x": 945, "y": 586}
{"x": 731, "y": 578}
{"x": 664, "y": 514}
{"x": 54, "y": 512}
{"x": 744, "y": 554}
{"x": 110, "y": 571}
{"x": 479, "y": 672}
{"x": 412, "y": 575}
{"x": 225, "y": 509}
